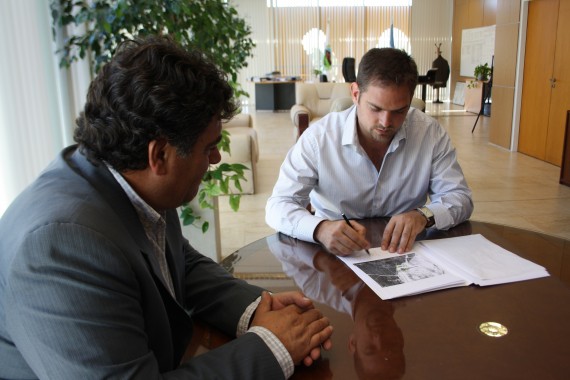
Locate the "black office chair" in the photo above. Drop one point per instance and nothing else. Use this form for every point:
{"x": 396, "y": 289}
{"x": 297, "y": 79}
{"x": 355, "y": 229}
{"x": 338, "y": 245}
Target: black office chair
{"x": 441, "y": 75}
{"x": 424, "y": 80}
{"x": 348, "y": 69}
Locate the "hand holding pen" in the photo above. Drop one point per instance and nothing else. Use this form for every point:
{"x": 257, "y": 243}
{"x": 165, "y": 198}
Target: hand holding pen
{"x": 350, "y": 225}
{"x": 340, "y": 237}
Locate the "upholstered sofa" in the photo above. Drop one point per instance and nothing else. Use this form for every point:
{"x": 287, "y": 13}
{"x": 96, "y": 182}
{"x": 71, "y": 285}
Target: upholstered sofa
{"x": 243, "y": 148}
{"x": 315, "y": 100}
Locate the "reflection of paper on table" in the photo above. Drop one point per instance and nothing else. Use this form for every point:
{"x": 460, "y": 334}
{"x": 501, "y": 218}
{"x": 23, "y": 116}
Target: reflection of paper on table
{"x": 440, "y": 264}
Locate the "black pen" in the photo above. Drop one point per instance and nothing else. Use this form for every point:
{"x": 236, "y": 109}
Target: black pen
{"x": 350, "y": 225}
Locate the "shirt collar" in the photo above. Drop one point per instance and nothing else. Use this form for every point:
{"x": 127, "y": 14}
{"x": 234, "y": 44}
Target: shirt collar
{"x": 148, "y": 216}
{"x": 349, "y": 134}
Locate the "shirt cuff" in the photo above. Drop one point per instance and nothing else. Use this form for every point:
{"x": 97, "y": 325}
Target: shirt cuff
{"x": 243, "y": 324}
{"x": 277, "y": 348}
{"x": 306, "y": 228}
{"x": 442, "y": 216}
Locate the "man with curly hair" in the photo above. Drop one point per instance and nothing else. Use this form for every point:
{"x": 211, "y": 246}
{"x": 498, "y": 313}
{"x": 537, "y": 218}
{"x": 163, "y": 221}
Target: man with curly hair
{"x": 96, "y": 279}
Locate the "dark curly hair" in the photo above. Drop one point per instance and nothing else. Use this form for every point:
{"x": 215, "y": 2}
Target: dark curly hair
{"x": 152, "y": 88}
{"x": 387, "y": 67}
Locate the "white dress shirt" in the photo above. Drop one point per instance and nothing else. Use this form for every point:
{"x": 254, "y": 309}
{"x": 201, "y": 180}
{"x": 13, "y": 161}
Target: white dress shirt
{"x": 328, "y": 167}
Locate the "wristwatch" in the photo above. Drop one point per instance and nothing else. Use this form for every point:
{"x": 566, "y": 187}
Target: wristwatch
{"x": 426, "y": 212}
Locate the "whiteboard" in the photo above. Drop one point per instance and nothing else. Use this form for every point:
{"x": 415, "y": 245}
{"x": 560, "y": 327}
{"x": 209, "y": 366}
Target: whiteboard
{"x": 477, "y": 48}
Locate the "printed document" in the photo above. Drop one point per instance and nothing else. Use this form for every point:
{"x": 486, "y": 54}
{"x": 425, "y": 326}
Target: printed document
{"x": 439, "y": 264}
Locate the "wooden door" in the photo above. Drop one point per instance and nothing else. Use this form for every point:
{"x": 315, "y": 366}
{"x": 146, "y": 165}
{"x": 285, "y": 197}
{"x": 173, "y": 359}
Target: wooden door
{"x": 560, "y": 94}
{"x": 538, "y": 68}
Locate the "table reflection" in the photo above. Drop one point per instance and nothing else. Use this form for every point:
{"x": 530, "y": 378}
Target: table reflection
{"x": 376, "y": 343}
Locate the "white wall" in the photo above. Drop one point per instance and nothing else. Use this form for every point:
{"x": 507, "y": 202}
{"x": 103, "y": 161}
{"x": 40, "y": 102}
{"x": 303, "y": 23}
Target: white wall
{"x": 255, "y": 13}
{"x": 432, "y": 23}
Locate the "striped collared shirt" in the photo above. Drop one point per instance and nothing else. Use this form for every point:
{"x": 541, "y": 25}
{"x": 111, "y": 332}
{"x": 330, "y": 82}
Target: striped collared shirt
{"x": 154, "y": 226}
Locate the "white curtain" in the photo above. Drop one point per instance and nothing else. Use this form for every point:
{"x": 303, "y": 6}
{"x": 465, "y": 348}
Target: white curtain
{"x": 37, "y": 111}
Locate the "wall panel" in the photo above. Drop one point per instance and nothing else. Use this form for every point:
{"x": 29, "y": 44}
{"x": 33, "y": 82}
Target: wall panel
{"x": 501, "y": 116}
{"x": 505, "y": 15}
{"x": 506, "y": 54}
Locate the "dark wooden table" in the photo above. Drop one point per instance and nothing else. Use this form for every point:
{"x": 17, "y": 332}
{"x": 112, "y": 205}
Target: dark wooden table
{"x": 435, "y": 335}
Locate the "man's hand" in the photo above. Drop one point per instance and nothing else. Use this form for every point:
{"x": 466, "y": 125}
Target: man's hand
{"x": 340, "y": 238}
{"x": 283, "y": 299}
{"x": 401, "y": 231}
{"x": 301, "y": 329}
{"x": 339, "y": 274}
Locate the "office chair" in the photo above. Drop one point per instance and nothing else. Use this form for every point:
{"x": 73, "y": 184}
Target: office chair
{"x": 348, "y": 69}
{"x": 441, "y": 75}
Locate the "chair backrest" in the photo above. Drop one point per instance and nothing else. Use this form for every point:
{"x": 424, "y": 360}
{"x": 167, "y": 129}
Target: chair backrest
{"x": 429, "y": 78}
{"x": 442, "y": 73}
{"x": 348, "y": 69}
{"x": 320, "y": 97}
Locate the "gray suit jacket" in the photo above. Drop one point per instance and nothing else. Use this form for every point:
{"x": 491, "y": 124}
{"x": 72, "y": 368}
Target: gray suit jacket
{"x": 81, "y": 296}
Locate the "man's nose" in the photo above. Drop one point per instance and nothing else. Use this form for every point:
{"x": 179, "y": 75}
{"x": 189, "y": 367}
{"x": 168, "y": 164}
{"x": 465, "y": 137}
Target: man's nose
{"x": 385, "y": 118}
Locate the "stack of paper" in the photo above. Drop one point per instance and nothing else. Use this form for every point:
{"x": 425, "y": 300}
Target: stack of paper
{"x": 440, "y": 264}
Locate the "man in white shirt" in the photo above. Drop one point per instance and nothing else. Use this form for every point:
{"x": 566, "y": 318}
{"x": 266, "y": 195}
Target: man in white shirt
{"x": 379, "y": 158}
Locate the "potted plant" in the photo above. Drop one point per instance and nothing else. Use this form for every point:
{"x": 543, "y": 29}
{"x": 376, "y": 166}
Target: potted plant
{"x": 212, "y": 26}
{"x": 482, "y": 72}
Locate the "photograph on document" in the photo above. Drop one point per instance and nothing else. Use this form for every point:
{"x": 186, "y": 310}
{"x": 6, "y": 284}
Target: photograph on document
{"x": 400, "y": 269}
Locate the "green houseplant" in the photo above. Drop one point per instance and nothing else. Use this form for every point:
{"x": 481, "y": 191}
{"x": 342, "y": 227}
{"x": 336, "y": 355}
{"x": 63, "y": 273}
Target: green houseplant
{"x": 212, "y": 26}
{"x": 482, "y": 72}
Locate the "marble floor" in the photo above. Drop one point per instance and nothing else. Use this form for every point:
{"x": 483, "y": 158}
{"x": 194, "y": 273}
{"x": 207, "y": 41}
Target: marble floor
{"x": 509, "y": 188}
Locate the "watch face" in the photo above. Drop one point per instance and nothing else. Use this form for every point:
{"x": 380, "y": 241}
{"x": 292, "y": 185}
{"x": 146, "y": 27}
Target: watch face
{"x": 427, "y": 212}
{"x": 428, "y": 215}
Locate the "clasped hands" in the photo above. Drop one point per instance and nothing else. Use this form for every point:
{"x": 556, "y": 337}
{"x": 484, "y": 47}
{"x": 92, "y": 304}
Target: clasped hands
{"x": 399, "y": 235}
{"x": 295, "y": 321}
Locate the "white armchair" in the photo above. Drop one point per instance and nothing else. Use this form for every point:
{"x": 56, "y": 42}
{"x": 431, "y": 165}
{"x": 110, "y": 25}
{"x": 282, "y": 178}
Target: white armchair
{"x": 244, "y": 150}
{"x": 315, "y": 100}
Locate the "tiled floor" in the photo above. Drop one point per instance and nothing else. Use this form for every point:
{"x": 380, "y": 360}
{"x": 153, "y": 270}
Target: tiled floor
{"x": 508, "y": 188}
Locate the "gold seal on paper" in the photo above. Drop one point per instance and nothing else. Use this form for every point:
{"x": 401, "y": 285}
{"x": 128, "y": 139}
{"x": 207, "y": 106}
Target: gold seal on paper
{"x": 493, "y": 329}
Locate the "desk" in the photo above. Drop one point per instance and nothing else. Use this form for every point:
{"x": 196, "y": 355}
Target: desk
{"x": 274, "y": 95}
{"x": 433, "y": 335}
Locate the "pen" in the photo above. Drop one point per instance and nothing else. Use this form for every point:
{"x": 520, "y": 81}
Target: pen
{"x": 350, "y": 225}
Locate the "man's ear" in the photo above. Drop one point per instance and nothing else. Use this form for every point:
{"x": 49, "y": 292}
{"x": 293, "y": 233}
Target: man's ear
{"x": 354, "y": 92}
{"x": 158, "y": 154}
{"x": 352, "y": 344}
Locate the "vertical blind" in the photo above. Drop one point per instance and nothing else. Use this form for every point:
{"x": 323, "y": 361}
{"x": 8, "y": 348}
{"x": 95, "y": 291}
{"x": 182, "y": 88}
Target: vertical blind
{"x": 351, "y": 31}
{"x": 30, "y": 118}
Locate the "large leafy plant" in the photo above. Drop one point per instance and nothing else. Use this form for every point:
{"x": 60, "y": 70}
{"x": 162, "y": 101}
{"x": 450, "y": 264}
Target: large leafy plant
{"x": 213, "y": 26}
